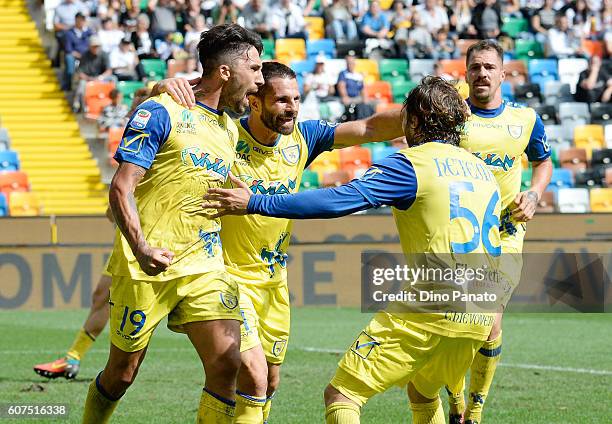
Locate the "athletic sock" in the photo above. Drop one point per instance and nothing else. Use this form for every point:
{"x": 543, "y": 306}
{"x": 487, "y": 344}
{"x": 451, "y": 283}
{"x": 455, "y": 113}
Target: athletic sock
{"x": 483, "y": 370}
{"x": 428, "y": 413}
{"x": 81, "y": 344}
{"x": 99, "y": 405}
{"x": 342, "y": 413}
{"x": 456, "y": 401}
{"x": 215, "y": 409}
{"x": 249, "y": 409}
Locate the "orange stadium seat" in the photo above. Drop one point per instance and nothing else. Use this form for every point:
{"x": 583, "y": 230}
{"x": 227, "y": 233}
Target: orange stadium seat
{"x": 574, "y": 159}
{"x": 24, "y": 204}
{"x": 546, "y": 203}
{"x": 335, "y": 178}
{"x": 381, "y": 107}
{"x": 174, "y": 66}
{"x": 464, "y": 45}
{"x": 355, "y": 160}
{"x": 13, "y": 181}
{"x": 290, "y": 49}
{"x": 601, "y": 200}
{"x": 315, "y": 26}
{"x": 97, "y": 96}
{"x": 379, "y": 91}
{"x": 516, "y": 72}
{"x": 369, "y": 69}
{"x": 589, "y": 137}
{"x": 114, "y": 138}
{"x": 454, "y": 67}
{"x": 593, "y": 48}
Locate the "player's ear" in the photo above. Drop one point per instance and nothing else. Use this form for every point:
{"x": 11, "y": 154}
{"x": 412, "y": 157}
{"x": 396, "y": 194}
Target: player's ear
{"x": 255, "y": 102}
{"x": 225, "y": 72}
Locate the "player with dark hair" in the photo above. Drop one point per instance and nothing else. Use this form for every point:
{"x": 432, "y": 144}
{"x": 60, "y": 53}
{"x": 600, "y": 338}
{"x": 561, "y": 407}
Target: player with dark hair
{"x": 432, "y": 185}
{"x": 271, "y": 154}
{"x": 167, "y": 259}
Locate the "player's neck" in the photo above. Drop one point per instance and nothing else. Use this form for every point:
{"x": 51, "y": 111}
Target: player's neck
{"x": 261, "y": 133}
{"x": 208, "y": 92}
{"x": 494, "y": 103}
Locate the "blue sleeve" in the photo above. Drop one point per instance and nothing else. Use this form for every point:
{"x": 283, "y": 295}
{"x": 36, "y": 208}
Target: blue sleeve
{"x": 341, "y": 76}
{"x": 391, "y": 182}
{"x": 145, "y": 133}
{"x": 538, "y": 148}
{"x": 319, "y": 136}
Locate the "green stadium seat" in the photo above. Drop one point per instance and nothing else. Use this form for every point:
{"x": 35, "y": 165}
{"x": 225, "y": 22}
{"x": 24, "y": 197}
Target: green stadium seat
{"x": 525, "y": 179}
{"x": 128, "y": 88}
{"x": 268, "y": 52}
{"x": 401, "y": 89}
{"x": 154, "y": 69}
{"x": 514, "y": 26}
{"x": 526, "y": 49}
{"x": 310, "y": 180}
{"x": 393, "y": 69}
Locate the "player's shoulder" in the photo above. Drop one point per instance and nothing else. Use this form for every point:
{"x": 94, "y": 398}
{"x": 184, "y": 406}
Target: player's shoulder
{"x": 519, "y": 109}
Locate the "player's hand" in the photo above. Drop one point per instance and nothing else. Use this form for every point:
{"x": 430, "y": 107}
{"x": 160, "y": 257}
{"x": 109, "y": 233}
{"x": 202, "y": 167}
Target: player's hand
{"x": 154, "y": 260}
{"x": 525, "y": 203}
{"x": 232, "y": 201}
{"x": 180, "y": 89}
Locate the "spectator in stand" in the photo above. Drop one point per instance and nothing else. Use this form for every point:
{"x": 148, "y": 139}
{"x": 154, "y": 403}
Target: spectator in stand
{"x": 444, "y": 46}
{"x": 319, "y": 82}
{"x": 375, "y": 23}
{"x": 359, "y": 9}
{"x": 487, "y": 19}
{"x": 578, "y": 15}
{"x": 63, "y": 20}
{"x": 129, "y": 17}
{"x": 163, "y": 18}
{"x": 192, "y": 11}
{"x": 341, "y": 24}
{"x": 594, "y": 83}
{"x": 225, "y": 13}
{"x": 191, "y": 69}
{"x": 170, "y": 47}
{"x": 192, "y": 37}
{"x": 93, "y": 66}
{"x": 401, "y": 21}
{"x": 76, "y": 44}
{"x": 420, "y": 42}
{"x": 142, "y": 39}
{"x": 433, "y": 16}
{"x": 350, "y": 83}
{"x": 255, "y": 18}
{"x": 287, "y": 20}
{"x": 115, "y": 114}
{"x": 110, "y": 35}
{"x": 124, "y": 62}
{"x": 461, "y": 19}
{"x": 562, "y": 41}
{"x": 543, "y": 20}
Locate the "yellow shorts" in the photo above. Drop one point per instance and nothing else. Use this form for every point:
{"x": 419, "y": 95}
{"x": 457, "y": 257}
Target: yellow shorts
{"x": 137, "y": 307}
{"x": 266, "y": 318}
{"x": 391, "y": 351}
{"x": 511, "y": 261}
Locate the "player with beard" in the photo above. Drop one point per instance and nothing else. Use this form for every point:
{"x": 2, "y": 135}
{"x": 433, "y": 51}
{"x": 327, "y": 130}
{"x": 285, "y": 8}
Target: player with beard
{"x": 272, "y": 152}
{"x": 167, "y": 259}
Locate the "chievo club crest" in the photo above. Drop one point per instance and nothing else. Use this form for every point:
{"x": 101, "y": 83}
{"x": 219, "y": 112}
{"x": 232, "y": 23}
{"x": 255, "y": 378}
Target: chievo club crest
{"x": 515, "y": 130}
{"x": 291, "y": 154}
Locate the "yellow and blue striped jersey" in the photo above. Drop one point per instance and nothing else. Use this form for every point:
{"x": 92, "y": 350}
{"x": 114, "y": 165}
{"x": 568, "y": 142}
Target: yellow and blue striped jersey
{"x": 254, "y": 246}
{"x": 185, "y": 152}
{"x": 500, "y": 137}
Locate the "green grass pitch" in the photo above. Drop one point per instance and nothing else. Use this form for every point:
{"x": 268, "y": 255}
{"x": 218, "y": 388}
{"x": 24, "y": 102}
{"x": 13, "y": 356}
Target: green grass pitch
{"x": 555, "y": 369}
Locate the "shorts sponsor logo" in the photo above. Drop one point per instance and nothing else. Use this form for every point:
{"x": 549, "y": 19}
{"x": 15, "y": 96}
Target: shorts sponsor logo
{"x": 212, "y": 242}
{"x": 229, "y": 300}
{"x": 364, "y": 345}
{"x": 291, "y": 154}
{"x": 278, "y": 347}
{"x": 141, "y": 119}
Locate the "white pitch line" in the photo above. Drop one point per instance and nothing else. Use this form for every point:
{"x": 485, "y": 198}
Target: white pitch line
{"x": 339, "y": 352}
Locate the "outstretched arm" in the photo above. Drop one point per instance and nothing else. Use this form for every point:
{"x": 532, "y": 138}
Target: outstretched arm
{"x": 381, "y": 126}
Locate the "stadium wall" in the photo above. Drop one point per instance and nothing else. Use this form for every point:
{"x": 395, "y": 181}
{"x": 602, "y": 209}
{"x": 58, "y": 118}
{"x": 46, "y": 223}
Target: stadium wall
{"x": 50, "y": 263}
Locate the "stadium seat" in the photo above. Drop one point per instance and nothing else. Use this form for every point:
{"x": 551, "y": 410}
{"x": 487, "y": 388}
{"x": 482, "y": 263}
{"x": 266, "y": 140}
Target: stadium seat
{"x": 3, "y": 205}
{"x": 315, "y": 25}
{"x": 525, "y": 179}
{"x": 570, "y": 69}
{"x": 326, "y": 162}
{"x": 528, "y": 94}
{"x": 355, "y": 47}
{"x": 589, "y": 137}
{"x": 601, "y": 113}
{"x": 353, "y": 159}
{"x": 542, "y": 70}
{"x": 601, "y": 157}
{"x": 154, "y": 69}
{"x": 290, "y": 49}
{"x": 516, "y": 72}
{"x": 601, "y": 200}
{"x": 381, "y": 153}
{"x": 382, "y": 107}
{"x": 268, "y": 52}
{"x": 555, "y": 133}
{"x": 128, "y": 88}
{"x": 593, "y": 47}
{"x": 547, "y": 113}
{"x": 175, "y": 66}
{"x": 393, "y": 69}
{"x": 528, "y": 49}
{"x": 573, "y": 200}
{"x": 310, "y": 180}
{"x": 515, "y": 26}
{"x": 112, "y": 142}
{"x": 335, "y": 178}
{"x": 24, "y": 204}
{"x": 546, "y": 204}
{"x": 303, "y": 67}
{"x": 369, "y": 69}
{"x": 401, "y": 90}
{"x": 323, "y": 47}
{"x": 576, "y": 112}
{"x": 463, "y": 45}
{"x": 9, "y": 161}
{"x": 13, "y": 181}
{"x": 454, "y": 68}
{"x": 556, "y": 92}
{"x": 379, "y": 91}
{"x": 420, "y": 68}
{"x": 561, "y": 178}
{"x": 608, "y": 133}
{"x": 586, "y": 178}
{"x": 574, "y": 159}
{"x": 507, "y": 91}
{"x": 97, "y": 97}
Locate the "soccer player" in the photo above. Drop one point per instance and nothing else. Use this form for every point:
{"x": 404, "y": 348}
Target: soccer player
{"x": 499, "y": 133}
{"x": 271, "y": 154}
{"x": 445, "y": 200}
{"x": 167, "y": 259}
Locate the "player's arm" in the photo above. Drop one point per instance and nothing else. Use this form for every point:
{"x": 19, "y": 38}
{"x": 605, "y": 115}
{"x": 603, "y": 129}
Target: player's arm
{"x": 538, "y": 153}
{"x": 391, "y": 182}
{"x": 381, "y": 126}
{"x": 180, "y": 89}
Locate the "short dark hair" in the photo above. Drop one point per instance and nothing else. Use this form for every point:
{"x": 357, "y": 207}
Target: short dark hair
{"x": 439, "y": 110}
{"x": 271, "y": 70}
{"x": 485, "y": 45}
{"x": 223, "y": 40}
{"x": 114, "y": 93}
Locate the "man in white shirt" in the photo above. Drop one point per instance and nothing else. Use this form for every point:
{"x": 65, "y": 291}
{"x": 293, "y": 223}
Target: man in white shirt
{"x": 287, "y": 20}
{"x": 433, "y": 16}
